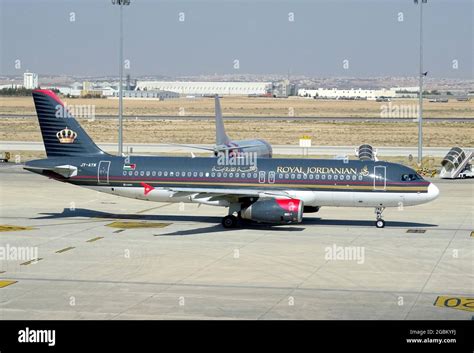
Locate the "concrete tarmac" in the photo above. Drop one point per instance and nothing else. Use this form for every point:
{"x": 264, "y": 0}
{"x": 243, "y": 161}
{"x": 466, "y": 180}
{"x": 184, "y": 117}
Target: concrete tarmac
{"x": 184, "y": 265}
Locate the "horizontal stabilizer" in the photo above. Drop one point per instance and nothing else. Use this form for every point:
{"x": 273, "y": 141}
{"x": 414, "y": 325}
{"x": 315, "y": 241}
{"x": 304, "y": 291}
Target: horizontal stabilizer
{"x": 67, "y": 171}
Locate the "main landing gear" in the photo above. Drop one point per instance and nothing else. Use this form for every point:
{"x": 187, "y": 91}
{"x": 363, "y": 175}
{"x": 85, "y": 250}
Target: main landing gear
{"x": 379, "y": 223}
{"x": 229, "y": 221}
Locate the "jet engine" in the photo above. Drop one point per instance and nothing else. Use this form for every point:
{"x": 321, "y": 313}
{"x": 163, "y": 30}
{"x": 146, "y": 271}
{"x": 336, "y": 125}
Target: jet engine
{"x": 282, "y": 211}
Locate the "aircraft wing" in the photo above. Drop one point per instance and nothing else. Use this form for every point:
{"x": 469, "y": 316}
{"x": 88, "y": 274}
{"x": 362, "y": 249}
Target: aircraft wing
{"x": 215, "y": 194}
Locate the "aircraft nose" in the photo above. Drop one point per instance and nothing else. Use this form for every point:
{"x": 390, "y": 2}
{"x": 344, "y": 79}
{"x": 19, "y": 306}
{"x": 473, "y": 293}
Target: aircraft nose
{"x": 433, "y": 192}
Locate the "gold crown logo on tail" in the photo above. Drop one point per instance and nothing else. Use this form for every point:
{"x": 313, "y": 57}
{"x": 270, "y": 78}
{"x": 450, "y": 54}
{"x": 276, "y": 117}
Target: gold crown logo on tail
{"x": 66, "y": 136}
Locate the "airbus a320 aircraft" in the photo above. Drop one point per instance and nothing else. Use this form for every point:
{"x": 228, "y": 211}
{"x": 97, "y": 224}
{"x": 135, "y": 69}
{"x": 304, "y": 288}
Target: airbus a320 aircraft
{"x": 265, "y": 190}
{"x": 234, "y": 147}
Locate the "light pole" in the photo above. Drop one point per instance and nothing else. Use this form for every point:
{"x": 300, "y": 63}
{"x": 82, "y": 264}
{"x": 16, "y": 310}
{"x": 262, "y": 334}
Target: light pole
{"x": 420, "y": 94}
{"x": 121, "y": 3}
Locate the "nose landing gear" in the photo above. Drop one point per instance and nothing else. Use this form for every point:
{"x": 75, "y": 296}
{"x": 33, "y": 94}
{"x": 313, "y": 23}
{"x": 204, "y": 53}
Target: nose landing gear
{"x": 379, "y": 223}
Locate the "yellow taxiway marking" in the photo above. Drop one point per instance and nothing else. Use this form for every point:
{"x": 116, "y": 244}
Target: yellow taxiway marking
{"x": 6, "y": 283}
{"x": 94, "y": 239}
{"x": 10, "y": 228}
{"x": 460, "y": 303}
{"x": 65, "y": 249}
{"x": 31, "y": 261}
{"x": 131, "y": 225}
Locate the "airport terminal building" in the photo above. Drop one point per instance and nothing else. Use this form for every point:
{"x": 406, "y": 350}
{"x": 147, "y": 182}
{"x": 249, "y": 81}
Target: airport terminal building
{"x": 207, "y": 88}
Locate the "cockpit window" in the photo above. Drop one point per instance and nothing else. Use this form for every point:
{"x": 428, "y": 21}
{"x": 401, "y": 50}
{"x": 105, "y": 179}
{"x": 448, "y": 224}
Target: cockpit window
{"x": 410, "y": 177}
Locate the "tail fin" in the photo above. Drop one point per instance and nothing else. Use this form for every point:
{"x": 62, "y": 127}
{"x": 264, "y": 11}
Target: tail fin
{"x": 62, "y": 134}
{"x": 221, "y": 136}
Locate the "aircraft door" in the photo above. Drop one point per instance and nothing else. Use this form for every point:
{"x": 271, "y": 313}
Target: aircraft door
{"x": 103, "y": 172}
{"x": 380, "y": 177}
{"x": 261, "y": 177}
{"x": 271, "y": 177}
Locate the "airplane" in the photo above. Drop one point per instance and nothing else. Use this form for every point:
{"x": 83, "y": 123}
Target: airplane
{"x": 224, "y": 144}
{"x": 265, "y": 190}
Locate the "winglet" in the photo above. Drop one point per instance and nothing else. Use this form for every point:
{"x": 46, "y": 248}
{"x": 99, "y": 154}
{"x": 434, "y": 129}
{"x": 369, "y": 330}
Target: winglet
{"x": 221, "y": 136}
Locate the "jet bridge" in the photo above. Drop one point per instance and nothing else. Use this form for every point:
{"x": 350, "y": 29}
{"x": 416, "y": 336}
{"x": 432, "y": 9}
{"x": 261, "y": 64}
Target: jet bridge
{"x": 457, "y": 164}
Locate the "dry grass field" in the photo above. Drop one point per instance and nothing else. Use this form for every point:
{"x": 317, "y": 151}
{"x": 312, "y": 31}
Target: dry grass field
{"x": 276, "y": 132}
{"x": 244, "y": 106}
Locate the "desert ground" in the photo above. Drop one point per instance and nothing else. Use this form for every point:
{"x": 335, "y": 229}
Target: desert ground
{"x": 283, "y": 132}
{"x": 276, "y": 132}
{"x": 245, "y": 106}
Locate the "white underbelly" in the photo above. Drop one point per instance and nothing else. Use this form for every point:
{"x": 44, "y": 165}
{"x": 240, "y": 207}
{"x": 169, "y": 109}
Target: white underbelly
{"x": 366, "y": 199}
{"x": 309, "y": 198}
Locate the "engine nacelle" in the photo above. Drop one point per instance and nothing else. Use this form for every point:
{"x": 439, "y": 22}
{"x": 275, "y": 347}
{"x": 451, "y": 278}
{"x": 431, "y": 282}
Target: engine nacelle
{"x": 282, "y": 211}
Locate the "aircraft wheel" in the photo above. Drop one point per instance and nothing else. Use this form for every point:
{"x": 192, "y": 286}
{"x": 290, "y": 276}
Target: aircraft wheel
{"x": 380, "y": 223}
{"x": 229, "y": 221}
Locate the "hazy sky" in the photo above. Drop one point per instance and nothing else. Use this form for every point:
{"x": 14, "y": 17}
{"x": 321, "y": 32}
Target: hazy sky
{"x": 257, "y": 33}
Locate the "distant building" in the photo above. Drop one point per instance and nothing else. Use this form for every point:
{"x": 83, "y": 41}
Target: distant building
{"x": 369, "y": 94}
{"x": 30, "y": 80}
{"x": 91, "y": 93}
{"x": 207, "y": 88}
{"x": 149, "y": 94}
{"x": 86, "y": 85}
{"x": 283, "y": 89}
